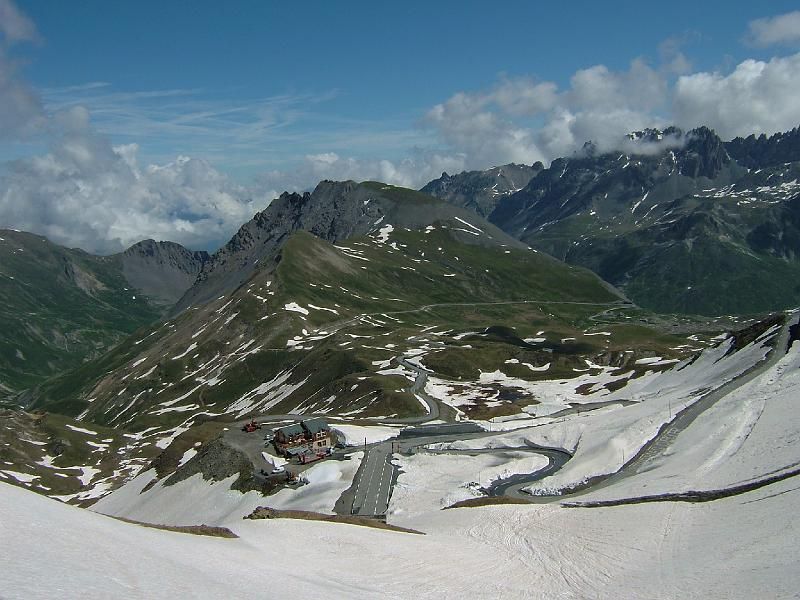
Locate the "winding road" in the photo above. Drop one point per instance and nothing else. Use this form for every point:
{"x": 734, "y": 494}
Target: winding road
{"x": 371, "y": 490}
{"x": 373, "y": 499}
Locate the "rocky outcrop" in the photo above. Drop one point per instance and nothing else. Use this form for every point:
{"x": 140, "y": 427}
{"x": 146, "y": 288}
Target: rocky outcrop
{"x": 162, "y": 271}
{"x": 482, "y": 190}
{"x": 758, "y": 152}
{"x": 217, "y": 461}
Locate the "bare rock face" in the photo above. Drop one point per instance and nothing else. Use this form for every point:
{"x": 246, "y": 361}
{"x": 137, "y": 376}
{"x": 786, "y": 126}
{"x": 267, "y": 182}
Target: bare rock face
{"x": 162, "y": 271}
{"x": 762, "y": 151}
{"x": 482, "y": 190}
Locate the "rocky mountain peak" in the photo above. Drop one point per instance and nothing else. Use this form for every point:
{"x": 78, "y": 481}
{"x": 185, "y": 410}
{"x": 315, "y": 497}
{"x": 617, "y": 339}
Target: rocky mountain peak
{"x": 334, "y": 211}
{"x": 482, "y": 190}
{"x": 162, "y": 271}
{"x": 704, "y": 154}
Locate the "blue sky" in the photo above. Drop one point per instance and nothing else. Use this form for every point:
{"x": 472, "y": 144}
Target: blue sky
{"x": 332, "y": 70}
{"x": 277, "y": 95}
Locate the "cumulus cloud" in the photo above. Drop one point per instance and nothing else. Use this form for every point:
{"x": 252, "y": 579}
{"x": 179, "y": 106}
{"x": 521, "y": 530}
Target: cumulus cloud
{"x": 87, "y": 193}
{"x": 782, "y": 29}
{"x": 756, "y": 96}
{"x": 524, "y": 120}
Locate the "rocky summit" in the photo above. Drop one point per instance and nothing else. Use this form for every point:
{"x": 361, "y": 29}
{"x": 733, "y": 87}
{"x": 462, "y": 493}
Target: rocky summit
{"x": 482, "y": 190}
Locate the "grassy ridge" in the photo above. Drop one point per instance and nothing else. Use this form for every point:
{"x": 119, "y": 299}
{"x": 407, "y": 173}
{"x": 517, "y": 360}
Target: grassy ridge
{"x": 330, "y": 352}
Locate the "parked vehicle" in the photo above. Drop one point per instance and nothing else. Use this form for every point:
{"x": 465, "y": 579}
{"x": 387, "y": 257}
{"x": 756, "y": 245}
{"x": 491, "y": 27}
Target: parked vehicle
{"x": 309, "y": 457}
{"x": 251, "y": 426}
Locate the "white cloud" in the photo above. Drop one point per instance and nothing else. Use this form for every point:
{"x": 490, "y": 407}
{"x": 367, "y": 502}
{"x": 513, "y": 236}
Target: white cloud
{"x": 15, "y": 26}
{"x": 781, "y": 29}
{"x": 21, "y": 110}
{"x": 87, "y": 193}
{"x": 483, "y": 130}
{"x": 523, "y": 120}
{"x": 408, "y": 172}
{"x": 755, "y": 97}
{"x": 598, "y": 88}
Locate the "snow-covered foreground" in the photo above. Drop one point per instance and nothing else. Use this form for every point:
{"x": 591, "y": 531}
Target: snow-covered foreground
{"x": 736, "y": 548}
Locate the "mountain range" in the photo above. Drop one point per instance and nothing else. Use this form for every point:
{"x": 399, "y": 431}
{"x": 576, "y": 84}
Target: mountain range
{"x": 324, "y": 303}
{"x": 281, "y": 305}
{"x": 680, "y": 221}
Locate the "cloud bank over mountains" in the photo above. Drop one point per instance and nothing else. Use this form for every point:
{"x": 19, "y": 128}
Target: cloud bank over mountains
{"x": 524, "y": 120}
{"x": 85, "y": 192}
{"x": 88, "y": 192}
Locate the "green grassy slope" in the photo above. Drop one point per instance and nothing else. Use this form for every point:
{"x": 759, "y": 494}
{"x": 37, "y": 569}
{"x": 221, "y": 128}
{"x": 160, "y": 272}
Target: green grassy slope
{"x": 319, "y": 332}
{"x": 59, "y": 307}
{"x": 697, "y": 257}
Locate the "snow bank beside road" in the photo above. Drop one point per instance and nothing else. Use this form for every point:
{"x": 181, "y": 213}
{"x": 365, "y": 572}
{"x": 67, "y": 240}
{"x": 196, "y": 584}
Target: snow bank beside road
{"x": 326, "y": 482}
{"x": 354, "y": 435}
{"x": 732, "y": 548}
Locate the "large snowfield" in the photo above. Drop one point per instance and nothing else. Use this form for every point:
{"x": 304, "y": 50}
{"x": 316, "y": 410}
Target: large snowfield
{"x": 743, "y": 546}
